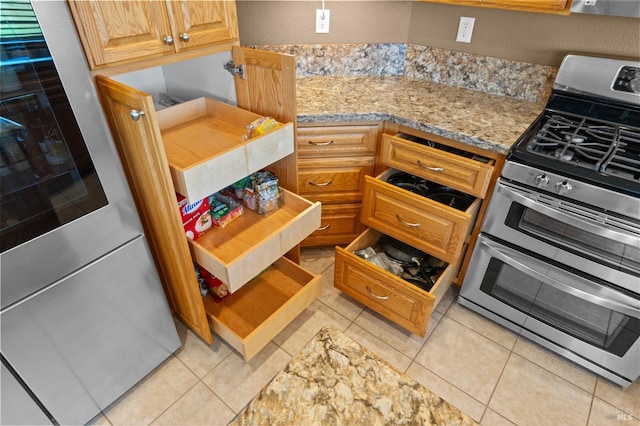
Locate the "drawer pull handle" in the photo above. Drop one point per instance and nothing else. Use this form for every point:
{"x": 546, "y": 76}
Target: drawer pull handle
{"x": 321, "y": 184}
{"x": 321, "y": 143}
{"x": 324, "y": 228}
{"x": 433, "y": 169}
{"x": 375, "y": 295}
{"x": 404, "y": 222}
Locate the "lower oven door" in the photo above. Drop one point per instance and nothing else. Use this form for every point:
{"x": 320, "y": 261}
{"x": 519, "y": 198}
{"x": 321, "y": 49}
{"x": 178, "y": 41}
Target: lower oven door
{"x": 587, "y": 320}
{"x": 600, "y": 243}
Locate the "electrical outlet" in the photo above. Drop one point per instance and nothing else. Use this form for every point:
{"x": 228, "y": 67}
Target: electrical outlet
{"x": 322, "y": 21}
{"x": 465, "y": 29}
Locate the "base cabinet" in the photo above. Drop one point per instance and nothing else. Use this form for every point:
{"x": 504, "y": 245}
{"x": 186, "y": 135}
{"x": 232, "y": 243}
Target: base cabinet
{"x": 443, "y": 231}
{"x": 334, "y": 161}
{"x": 197, "y": 148}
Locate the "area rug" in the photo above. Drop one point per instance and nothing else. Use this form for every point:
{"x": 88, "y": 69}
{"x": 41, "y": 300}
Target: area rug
{"x": 336, "y": 381}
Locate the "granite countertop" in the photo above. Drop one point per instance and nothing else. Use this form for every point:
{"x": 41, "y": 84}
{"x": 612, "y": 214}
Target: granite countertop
{"x": 477, "y": 118}
{"x": 334, "y": 380}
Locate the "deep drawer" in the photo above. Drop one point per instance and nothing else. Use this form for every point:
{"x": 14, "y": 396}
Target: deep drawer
{"x": 423, "y": 223}
{"x": 336, "y": 180}
{"x": 392, "y": 297}
{"x": 340, "y": 224}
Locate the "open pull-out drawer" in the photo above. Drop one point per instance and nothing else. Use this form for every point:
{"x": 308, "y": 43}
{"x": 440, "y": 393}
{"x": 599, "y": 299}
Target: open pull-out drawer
{"x": 470, "y": 174}
{"x": 250, "y": 318}
{"x": 421, "y": 222}
{"x": 208, "y": 149}
{"x": 391, "y": 296}
{"x": 252, "y": 242}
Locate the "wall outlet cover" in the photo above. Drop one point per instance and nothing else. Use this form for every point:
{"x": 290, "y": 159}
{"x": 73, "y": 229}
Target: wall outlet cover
{"x": 322, "y": 21}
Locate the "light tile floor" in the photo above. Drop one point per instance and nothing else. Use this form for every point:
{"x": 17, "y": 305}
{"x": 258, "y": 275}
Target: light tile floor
{"x": 493, "y": 375}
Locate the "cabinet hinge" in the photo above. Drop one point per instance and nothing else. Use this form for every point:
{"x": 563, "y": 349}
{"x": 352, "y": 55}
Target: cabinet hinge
{"x": 231, "y": 67}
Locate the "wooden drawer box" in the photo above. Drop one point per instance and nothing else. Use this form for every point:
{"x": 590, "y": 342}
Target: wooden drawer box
{"x": 336, "y": 180}
{"x": 340, "y": 224}
{"x": 435, "y": 164}
{"x": 423, "y": 223}
{"x": 392, "y": 297}
{"x": 250, "y": 243}
{"x": 253, "y": 316}
{"x": 207, "y": 146}
{"x": 336, "y": 140}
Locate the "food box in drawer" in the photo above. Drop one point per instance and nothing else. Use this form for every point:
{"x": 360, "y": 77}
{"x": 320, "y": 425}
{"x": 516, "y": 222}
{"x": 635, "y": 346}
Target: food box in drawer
{"x": 421, "y": 222}
{"x": 208, "y": 148}
{"x": 391, "y": 296}
{"x": 450, "y": 169}
{"x": 252, "y": 242}
{"x": 250, "y": 318}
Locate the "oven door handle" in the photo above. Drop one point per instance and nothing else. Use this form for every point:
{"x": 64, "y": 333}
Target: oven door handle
{"x": 571, "y": 220}
{"x": 571, "y": 284}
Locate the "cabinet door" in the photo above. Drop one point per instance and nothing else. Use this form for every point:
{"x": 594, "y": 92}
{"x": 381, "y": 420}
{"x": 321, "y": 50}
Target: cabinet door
{"x": 269, "y": 88}
{"x": 197, "y": 24}
{"x": 143, "y": 156}
{"x": 115, "y": 31}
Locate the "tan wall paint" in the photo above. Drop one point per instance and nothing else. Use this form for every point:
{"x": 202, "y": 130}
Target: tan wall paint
{"x": 529, "y": 37}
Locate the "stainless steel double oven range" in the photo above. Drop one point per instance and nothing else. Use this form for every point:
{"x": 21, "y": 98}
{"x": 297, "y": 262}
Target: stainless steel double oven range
{"x": 558, "y": 259}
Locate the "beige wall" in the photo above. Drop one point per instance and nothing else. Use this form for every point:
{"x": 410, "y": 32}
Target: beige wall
{"x": 529, "y": 37}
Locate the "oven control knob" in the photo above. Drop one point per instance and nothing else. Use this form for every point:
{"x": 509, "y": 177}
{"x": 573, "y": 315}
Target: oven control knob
{"x": 563, "y": 187}
{"x": 541, "y": 180}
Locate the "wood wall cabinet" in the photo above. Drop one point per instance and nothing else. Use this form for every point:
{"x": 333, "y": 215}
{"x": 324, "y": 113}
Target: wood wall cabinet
{"x": 561, "y": 7}
{"x": 436, "y": 229}
{"x": 128, "y": 32}
{"x": 156, "y": 149}
{"x": 333, "y": 163}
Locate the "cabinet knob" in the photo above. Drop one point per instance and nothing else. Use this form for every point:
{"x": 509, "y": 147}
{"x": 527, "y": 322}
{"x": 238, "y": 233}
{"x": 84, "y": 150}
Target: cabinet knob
{"x": 135, "y": 114}
{"x": 184, "y": 37}
{"x": 168, "y": 40}
{"x": 433, "y": 169}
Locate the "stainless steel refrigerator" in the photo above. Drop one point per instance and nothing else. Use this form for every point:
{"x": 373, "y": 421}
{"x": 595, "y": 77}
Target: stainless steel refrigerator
{"x": 83, "y": 316}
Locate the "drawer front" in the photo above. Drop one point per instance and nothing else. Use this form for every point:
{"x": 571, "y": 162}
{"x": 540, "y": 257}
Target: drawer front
{"x": 425, "y": 224}
{"x": 340, "y": 224}
{"x": 455, "y": 171}
{"x": 337, "y": 140}
{"x": 333, "y": 181}
{"x": 390, "y": 296}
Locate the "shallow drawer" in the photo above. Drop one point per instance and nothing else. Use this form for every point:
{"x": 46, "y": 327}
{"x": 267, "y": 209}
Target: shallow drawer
{"x": 207, "y": 146}
{"x": 336, "y": 140}
{"x": 392, "y": 297}
{"x": 250, "y": 318}
{"x": 450, "y": 169}
{"x": 340, "y": 224}
{"x": 252, "y": 242}
{"x": 423, "y": 223}
{"x": 337, "y": 180}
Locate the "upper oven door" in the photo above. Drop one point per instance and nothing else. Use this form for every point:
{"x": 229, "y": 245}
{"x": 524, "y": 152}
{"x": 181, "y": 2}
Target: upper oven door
{"x": 601, "y": 245}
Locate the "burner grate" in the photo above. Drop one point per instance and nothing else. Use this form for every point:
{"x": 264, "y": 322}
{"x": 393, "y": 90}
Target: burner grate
{"x": 600, "y": 146}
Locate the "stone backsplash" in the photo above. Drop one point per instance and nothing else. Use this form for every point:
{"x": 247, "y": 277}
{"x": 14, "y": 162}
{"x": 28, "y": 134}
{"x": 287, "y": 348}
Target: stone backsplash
{"x": 520, "y": 80}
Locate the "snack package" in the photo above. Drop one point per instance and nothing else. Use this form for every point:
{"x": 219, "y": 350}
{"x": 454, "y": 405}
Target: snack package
{"x": 261, "y": 126}
{"x": 217, "y": 288}
{"x": 196, "y": 217}
{"x": 268, "y": 191}
{"x": 221, "y": 213}
{"x": 202, "y": 284}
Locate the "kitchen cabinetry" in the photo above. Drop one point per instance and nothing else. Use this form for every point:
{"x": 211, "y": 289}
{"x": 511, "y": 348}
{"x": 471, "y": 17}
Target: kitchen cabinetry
{"x": 437, "y": 229}
{"x": 268, "y": 290}
{"x": 543, "y": 6}
{"x": 128, "y": 32}
{"x": 333, "y": 163}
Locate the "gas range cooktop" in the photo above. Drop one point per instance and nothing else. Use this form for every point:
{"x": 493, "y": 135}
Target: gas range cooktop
{"x": 590, "y": 128}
